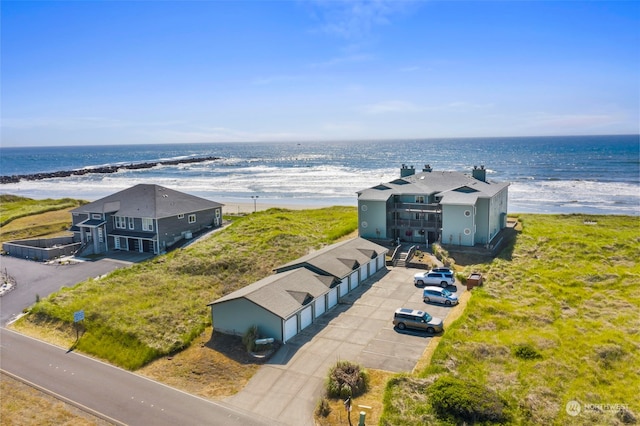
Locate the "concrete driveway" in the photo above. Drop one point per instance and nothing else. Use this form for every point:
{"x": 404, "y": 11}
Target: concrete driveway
{"x": 359, "y": 329}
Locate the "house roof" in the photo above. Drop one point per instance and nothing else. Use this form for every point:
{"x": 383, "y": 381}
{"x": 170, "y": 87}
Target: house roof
{"x": 453, "y": 187}
{"x": 148, "y": 200}
{"x": 282, "y": 294}
{"x": 340, "y": 259}
{"x": 299, "y": 282}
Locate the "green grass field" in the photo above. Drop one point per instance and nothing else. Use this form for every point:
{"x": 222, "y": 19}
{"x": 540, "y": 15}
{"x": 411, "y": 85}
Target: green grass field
{"x": 158, "y": 307}
{"x": 557, "y": 320}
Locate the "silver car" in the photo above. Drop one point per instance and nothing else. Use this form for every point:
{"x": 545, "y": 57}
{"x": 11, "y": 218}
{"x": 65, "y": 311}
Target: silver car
{"x": 442, "y": 279}
{"x": 420, "y": 320}
{"x": 439, "y": 295}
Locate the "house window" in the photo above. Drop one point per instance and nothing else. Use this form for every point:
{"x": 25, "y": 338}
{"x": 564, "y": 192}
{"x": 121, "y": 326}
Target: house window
{"x": 181, "y": 216}
{"x": 217, "y": 212}
{"x": 120, "y": 222}
{"x": 418, "y": 216}
{"x": 420, "y": 199}
{"x": 363, "y": 207}
{"x": 132, "y": 224}
{"x": 364, "y": 224}
{"x": 467, "y": 231}
{"x": 147, "y": 224}
{"x": 192, "y": 218}
{"x": 467, "y": 213}
{"x": 100, "y": 235}
{"x": 96, "y": 216}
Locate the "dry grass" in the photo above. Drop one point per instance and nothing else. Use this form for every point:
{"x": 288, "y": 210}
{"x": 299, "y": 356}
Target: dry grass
{"x": 23, "y": 405}
{"x": 370, "y": 403}
{"x": 214, "y": 366}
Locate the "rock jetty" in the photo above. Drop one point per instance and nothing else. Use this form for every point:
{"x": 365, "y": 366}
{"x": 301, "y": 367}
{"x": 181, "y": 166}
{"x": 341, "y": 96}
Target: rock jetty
{"x": 104, "y": 169}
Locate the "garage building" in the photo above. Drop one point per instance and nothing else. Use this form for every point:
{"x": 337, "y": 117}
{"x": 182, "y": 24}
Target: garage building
{"x": 288, "y": 301}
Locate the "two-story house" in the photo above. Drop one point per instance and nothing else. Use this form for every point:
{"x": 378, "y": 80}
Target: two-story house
{"x": 450, "y": 207}
{"x": 144, "y": 218}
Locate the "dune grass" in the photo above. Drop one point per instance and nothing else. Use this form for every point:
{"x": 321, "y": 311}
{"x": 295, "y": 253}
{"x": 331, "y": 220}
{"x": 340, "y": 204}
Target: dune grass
{"x": 13, "y": 207}
{"x": 556, "y": 321}
{"x": 158, "y": 307}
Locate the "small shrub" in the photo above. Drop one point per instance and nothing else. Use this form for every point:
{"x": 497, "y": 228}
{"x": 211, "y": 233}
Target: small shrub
{"x": 323, "y": 409}
{"x": 347, "y": 379}
{"x": 527, "y": 352}
{"x": 249, "y": 338}
{"x": 462, "y": 401}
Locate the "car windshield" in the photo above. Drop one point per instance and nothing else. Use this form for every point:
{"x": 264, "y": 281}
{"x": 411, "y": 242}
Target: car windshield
{"x": 427, "y": 317}
{"x": 446, "y": 292}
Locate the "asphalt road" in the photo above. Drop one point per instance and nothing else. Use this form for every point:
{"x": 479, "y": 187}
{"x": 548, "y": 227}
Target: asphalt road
{"x": 114, "y": 394}
{"x": 37, "y": 279}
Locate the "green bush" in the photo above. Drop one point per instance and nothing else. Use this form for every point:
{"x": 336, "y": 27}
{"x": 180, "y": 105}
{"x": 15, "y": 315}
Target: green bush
{"x": 464, "y": 401}
{"x": 323, "y": 408}
{"x": 526, "y": 351}
{"x": 249, "y": 338}
{"x": 347, "y": 379}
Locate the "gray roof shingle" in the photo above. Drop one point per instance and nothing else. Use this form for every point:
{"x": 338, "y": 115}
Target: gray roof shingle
{"x": 432, "y": 183}
{"x": 149, "y": 201}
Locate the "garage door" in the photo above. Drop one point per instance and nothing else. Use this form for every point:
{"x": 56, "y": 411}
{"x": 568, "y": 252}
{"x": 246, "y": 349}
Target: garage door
{"x": 372, "y": 267}
{"x": 344, "y": 287}
{"x": 353, "y": 279}
{"x": 290, "y": 328}
{"x": 305, "y": 317}
{"x": 333, "y": 297}
{"x": 320, "y": 306}
{"x": 364, "y": 269}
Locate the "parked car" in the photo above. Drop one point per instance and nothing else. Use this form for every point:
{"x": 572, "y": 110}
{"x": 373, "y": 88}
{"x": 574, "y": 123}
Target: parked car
{"x": 443, "y": 279}
{"x": 440, "y": 295}
{"x": 419, "y": 320}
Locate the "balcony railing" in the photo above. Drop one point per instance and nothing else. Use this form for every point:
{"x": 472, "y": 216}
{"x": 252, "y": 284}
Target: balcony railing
{"x": 417, "y": 208}
{"x": 415, "y": 224}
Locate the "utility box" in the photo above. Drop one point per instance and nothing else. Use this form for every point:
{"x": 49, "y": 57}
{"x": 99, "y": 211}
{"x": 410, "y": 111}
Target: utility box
{"x": 474, "y": 280}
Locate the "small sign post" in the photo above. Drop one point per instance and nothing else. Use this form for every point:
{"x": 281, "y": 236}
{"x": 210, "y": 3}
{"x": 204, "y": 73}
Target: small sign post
{"x": 77, "y": 317}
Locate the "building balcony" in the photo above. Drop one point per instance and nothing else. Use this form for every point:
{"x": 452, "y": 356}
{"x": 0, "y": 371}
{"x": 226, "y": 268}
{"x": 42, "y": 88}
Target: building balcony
{"x": 417, "y": 208}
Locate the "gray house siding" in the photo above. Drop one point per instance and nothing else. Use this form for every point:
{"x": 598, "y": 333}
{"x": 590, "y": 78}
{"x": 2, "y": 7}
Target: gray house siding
{"x": 236, "y": 316}
{"x": 482, "y": 221}
{"x": 142, "y": 205}
{"x": 458, "y": 226}
{"x": 373, "y": 219}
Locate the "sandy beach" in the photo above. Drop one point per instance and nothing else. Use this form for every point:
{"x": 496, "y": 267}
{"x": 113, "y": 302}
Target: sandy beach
{"x": 235, "y": 207}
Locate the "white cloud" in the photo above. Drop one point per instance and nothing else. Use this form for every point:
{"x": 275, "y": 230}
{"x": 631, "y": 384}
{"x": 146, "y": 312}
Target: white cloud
{"x": 353, "y": 19}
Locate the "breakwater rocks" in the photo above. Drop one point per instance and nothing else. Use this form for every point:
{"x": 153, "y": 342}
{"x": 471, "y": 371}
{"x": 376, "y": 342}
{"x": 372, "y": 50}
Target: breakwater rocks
{"x": 103, "y": 169}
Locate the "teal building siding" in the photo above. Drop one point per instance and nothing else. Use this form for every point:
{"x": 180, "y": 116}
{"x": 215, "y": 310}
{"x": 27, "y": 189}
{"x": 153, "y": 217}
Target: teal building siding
{"x": 236, "y": 316}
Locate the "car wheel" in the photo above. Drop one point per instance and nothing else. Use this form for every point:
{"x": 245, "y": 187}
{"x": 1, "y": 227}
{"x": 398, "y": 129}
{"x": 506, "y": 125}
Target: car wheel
{"x": 431, "y": 330}
{"x": 444, "y": 284}
{"x": 427, "y": 300}
{"x": 420, "y": 282}
{"x": 401, "y": 326}
{"x": 447, "y": 302}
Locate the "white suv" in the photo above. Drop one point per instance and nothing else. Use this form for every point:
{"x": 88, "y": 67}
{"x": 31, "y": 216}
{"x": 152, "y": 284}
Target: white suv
{"x": 442, "y": 279}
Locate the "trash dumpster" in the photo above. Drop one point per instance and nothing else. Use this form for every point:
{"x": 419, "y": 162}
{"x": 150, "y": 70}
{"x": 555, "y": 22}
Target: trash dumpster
{"x": 474, "y": 280}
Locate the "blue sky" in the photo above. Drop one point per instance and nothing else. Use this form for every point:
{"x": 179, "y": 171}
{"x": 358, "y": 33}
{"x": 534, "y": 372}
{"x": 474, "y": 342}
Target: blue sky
{"x": 119, "y": 72}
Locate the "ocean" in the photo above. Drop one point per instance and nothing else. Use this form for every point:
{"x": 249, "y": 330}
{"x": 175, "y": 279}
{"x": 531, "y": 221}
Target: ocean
{"x": 570, "y": 174}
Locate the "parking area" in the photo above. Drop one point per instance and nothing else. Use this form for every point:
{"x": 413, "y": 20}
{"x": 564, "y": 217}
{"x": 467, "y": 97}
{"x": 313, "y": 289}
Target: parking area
{"x": 359, "y": 329}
